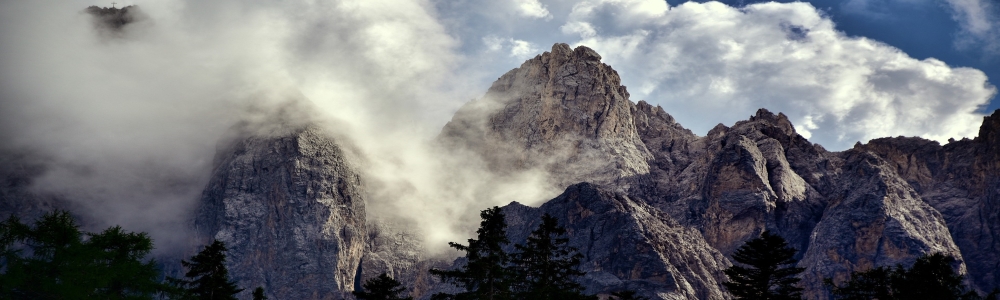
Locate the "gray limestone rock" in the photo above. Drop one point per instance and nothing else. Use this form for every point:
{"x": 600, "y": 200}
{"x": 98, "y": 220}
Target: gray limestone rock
{"x": 564, "y": 111}
{"x": 961, "y": 180}
{"x": 627, "y": 245}
{"x": 876, "y": 220}
{"x": 291, "y": 209}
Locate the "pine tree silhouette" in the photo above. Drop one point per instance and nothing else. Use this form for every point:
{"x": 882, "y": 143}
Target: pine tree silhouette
{"x": 487, "y": 274}
{"x": 765, "y": 270}
{"x": 208, "y": 278}
{"x": 547, "y": 265}
{"x": 382, "y": 287}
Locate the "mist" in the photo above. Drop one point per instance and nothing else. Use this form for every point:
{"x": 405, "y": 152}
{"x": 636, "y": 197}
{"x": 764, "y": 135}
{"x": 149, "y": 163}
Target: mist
{"x": 129, "y": 122}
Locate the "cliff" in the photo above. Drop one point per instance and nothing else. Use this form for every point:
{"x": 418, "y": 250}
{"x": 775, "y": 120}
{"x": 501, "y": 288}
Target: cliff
{"x": 291, "y": 208}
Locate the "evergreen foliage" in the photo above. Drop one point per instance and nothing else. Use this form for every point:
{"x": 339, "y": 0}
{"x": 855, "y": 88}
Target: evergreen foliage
{"x": 765, "y": 270}
{"x": 547, "y": 265}
{"x": 626, "y": 295}
{"x": 208, "y": 278}
{"x": 54, "y": 259}
{"x": 487, "y": 273}
{"x": 872, "y": 284}
{"x": 382, "y": 287}
{"x": 931, "y": 277}
{"x": 258, "y": 293}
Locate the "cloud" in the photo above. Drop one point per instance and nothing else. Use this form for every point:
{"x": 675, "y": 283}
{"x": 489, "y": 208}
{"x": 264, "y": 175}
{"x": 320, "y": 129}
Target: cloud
{"x": 709, "y": 63}
{"x": 980, "y": 23}
{"x": 518, "y": 49}
{"x": 130, "y": 122}
{"x": 532, "y": 9}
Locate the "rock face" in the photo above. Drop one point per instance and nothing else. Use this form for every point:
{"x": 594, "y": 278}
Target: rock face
{"x": 563, "y": 110}
{"x": 627, "y": 245}
{"x": 290, "y": 207}
{"x": 961, "y": 180}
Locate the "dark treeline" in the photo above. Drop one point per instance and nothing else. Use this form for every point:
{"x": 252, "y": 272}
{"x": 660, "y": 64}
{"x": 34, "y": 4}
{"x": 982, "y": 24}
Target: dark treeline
{"x": 932, "y": 276}
{"x": 765, "y": 269}
{"x": 54, "y": 259}
{"x": 544, "y": 267}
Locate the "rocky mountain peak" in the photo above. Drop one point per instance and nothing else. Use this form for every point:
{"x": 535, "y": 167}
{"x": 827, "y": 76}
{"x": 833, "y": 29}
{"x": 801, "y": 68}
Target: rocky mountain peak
{"x": 780, "y": 120}
{"x": 561, "y": 108}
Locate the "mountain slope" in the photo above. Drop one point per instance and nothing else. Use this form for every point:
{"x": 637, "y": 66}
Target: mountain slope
{"x": 627, "y": 245}
{"x": 962, "y": 181}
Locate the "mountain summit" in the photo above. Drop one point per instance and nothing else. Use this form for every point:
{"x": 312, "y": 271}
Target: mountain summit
{"x": 563, "y": 111}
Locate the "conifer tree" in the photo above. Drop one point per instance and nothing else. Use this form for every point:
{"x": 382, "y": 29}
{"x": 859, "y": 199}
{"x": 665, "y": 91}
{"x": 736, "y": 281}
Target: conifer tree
{"x": 765, "y": 269}
{"x": 208, "y": 278}
{"x": 626, "y": 295}
{"x": 258, "y": 293}
{"x": 932, "y": 277}
{"x": 487, "y": 274}
{"x": 872, "y": 284}
{"x": 547, "y": 265}
{"x": 67, "y": 263}
{"x": 382, "y": 287}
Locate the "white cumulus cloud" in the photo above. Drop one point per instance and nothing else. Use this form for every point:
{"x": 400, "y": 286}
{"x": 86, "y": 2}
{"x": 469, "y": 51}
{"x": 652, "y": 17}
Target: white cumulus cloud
{"x": 710, "y": 63}
{"x": 532, "y": 9}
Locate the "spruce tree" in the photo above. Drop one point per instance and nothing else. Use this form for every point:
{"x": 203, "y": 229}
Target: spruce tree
{"x": 487, "y": 274}
{"x": 765, "y": 269}
{"x": 382, "y": 287}
{"x": 208, "y": 278}
{"x": 547, "y": 265}
{"x": 258, "y": 293}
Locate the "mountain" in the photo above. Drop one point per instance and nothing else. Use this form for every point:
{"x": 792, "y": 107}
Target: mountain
{"x": 844, "y": 211}
{"x": 652, "y": 206}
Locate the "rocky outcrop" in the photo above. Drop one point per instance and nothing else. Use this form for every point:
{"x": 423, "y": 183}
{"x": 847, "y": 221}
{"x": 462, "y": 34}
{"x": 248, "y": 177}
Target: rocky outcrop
{"x": 627, "y": 245}
{"x": 115, "y": 18}
{"x": 392, "y": 249}
{"x": 876, "y": 220}
{"x": 563, "y": 111}
{"x": 290, "y": 207}
{"x": 961, "y": 180}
